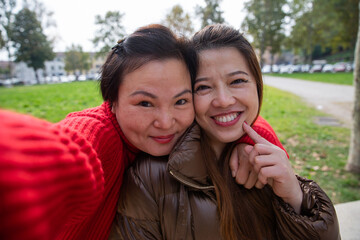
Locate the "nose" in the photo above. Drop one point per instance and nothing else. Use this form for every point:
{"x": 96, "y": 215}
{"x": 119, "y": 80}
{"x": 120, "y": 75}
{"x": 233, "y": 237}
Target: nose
{"x": 164, "y": 119}
{"x": 223, "y": 98}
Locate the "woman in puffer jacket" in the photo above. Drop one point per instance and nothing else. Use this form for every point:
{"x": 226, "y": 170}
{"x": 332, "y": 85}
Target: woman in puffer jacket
{"x": 192, "y": 194}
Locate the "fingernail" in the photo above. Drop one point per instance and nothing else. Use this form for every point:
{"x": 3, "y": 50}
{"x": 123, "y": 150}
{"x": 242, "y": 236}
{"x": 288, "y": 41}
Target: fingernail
{"x": 233, "y": 173}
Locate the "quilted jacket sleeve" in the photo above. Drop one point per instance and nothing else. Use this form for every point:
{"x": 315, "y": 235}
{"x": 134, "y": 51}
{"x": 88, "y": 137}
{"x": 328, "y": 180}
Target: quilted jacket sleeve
{"x": 317, "y": 219}
{"x": 133, "y": 220}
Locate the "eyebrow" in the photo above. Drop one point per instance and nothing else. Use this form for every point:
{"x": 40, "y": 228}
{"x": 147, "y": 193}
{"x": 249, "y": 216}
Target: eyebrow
{"x": 229, "y": 75}
{"x": 140, "y": 92}
{"x": 237, "y": 72}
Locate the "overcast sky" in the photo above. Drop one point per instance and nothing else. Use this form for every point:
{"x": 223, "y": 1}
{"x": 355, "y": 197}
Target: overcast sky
{"x": 75, "y": 18}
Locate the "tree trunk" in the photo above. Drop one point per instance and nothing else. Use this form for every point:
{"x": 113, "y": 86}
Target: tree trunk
{"x": 10, "y": 61}
{"x": 353, "y": 163}
{"x": 37, "y": 76}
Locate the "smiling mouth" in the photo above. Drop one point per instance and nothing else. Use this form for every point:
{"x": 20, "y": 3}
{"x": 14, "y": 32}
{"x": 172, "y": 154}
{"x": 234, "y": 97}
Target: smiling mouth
{"x": 228, "y": 118}
{"x": 164, "y": 139}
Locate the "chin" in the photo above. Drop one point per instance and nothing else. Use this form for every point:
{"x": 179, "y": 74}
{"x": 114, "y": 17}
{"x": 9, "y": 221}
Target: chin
{"x": 160, "y": 153}
{"x": 230, "y": 139}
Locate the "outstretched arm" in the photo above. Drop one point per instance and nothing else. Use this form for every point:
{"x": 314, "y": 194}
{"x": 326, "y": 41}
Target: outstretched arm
{"x": 48, "y": 177}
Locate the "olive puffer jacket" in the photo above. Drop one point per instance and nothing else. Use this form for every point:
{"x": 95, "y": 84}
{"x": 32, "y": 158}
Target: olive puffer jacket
{"x": 174, "y": 199}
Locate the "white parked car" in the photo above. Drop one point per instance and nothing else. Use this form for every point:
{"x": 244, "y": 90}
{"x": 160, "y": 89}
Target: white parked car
{"x": 266, "y": 69}
{"x": 71, "y": 78}
{"x": 328, "y": 68}
{"x": 316, "y": 68}
{"x": 64, "y": 79}
{"x": 5, "y": 83}
{"x": 305, "y": 68}
{"x": 81, "y": 77}
{"x": 285, "y": 68}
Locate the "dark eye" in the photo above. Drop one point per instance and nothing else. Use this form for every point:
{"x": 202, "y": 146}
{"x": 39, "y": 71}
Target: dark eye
{"x": 201, "y": 88}
{"x": 145, "y": 104}
{"x": 181, "y": 102}
{"x": 238, "y": 81}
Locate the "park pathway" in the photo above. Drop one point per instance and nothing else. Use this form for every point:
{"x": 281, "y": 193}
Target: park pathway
{"x": 338, "y": 101}
{"x": 334, "y": 99}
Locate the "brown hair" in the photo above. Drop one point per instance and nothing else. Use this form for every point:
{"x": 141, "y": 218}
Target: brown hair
{"x": 243, "y": 213}
{"x": 152, "y": 42}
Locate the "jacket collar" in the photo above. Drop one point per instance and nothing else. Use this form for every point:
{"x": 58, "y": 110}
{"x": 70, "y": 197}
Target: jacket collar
{"x": 186, "y": 162}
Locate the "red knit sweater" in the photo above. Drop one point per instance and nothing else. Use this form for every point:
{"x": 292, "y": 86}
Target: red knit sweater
{"x": 263, "y": 128}
{"x": 62, "y": 181}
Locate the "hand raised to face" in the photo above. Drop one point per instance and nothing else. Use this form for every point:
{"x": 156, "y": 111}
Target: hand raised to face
{"x": 272, "y": 167}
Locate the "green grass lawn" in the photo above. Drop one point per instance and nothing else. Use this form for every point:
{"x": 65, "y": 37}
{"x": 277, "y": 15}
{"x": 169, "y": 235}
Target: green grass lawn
{"x": 338, "y": 78}
{"x": 317, "y": 152}
{"x": 51, "y": 101}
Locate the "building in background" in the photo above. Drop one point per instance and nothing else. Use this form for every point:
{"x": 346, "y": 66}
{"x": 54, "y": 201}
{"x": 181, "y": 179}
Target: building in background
{"x": 53, "y": 72}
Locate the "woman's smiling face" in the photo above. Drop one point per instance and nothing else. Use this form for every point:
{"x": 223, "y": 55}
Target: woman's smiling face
{"x": 155, "y": 105}
{"x": 225, "y": 95}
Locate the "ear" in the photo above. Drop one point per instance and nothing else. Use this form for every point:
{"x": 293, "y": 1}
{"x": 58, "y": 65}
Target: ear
{"x": 113, "y": 107}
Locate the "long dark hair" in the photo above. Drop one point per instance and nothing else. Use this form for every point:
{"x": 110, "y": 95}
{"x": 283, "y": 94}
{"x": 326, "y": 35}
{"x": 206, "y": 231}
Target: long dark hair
{"x": 243, "y": 213}
{"x": 152, "y": 42}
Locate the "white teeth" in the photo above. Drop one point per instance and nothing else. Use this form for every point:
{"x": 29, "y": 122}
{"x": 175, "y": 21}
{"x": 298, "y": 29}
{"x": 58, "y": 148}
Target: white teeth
{"x": 227, "y": 118}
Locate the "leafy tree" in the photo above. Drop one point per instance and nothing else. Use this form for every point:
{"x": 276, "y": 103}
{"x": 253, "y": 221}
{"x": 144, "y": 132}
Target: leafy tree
{"x": 336, "y": 23}
{"x": 42, "y": 14}
{"x": 353, "y": 163}
{"x": 179, "y": 21}
{"x": 76, "y": 60}
{"x": 211, "y": 13}
{"x": 326, "y": 23}
{"x": 109, "y": 31}
{"x": 31, "y": 44}
{"x": 302, "y": 37}
{"x": 264, "y": 22}
{"x": 7, "y": 8}
{"x": 348, "y": 15}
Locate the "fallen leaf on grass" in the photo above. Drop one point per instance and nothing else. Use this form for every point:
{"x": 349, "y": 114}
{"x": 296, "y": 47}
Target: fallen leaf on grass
{"x": 325, "y": 168}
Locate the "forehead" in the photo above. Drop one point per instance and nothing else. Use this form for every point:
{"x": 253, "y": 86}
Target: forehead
{"x": 224, "y": 59}
{"x": 158, "y": 73}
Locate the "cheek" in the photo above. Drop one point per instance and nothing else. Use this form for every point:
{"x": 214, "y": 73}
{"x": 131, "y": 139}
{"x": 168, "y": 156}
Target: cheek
{"x": 186, "y": 118}
{"x": 199, "y": 105}
{"x": 253, "y": 104}
{"x": 131, "y": 122}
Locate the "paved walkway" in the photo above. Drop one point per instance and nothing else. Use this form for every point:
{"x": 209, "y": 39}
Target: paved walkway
{"x": 349, "y": 220}
{"x": 336, "y": 100}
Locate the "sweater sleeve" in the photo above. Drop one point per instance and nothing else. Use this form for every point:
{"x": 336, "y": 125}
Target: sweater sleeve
{"x": 317, "y": 219}
{"x": 49, "y": 177}
{"x": 263, "y": 128}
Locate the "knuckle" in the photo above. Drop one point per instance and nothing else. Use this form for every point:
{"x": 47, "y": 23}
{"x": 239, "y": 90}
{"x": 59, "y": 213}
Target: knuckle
{"x": 240, "y": 180}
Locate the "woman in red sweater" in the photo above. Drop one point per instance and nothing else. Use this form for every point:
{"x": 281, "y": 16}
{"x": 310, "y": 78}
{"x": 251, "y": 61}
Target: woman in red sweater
{"x": 62, "y": 181}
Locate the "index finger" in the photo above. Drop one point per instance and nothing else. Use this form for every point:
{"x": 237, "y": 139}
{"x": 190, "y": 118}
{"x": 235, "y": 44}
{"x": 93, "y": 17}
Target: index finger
{"x": 254, "y": 135}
